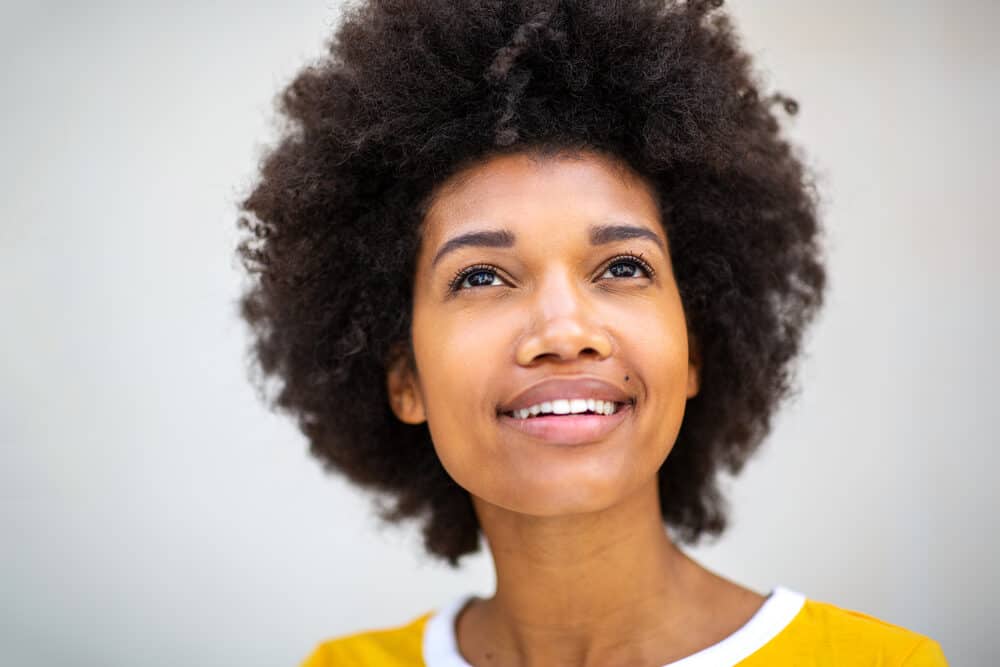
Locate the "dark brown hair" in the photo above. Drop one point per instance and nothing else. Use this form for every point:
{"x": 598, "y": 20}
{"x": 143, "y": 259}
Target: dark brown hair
{"x": 409, "y": 92}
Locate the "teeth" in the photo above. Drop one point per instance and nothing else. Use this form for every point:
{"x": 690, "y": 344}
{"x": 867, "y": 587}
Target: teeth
{"x": 566, "y": 406}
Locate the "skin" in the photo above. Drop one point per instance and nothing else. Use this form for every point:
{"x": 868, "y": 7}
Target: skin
{"x": 586, "y": 572}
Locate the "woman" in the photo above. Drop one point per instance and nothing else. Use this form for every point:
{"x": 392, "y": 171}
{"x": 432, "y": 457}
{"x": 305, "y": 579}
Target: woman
{"x": 538, "y": 271}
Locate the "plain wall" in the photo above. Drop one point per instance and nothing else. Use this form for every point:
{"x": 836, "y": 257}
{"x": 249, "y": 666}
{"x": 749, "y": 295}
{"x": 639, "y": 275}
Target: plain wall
{"x": 154, "y": 512}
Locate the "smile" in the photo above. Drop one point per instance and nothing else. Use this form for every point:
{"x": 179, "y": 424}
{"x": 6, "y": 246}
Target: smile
{"x": 568, "y": 426}
{"x": 566, "y": 406}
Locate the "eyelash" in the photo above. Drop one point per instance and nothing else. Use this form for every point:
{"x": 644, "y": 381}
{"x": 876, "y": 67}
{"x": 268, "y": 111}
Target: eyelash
{"x": 454, "y": 285}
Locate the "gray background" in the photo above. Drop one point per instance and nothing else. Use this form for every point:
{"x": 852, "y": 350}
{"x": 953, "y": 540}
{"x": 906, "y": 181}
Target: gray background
{"x": 153, "y": 512}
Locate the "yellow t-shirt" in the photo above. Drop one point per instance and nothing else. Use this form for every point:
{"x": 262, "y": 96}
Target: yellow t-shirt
{"x": 788, "y": 629}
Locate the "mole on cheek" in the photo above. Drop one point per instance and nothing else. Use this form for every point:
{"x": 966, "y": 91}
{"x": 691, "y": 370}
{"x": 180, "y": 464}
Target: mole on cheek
{"x": 626, "y": 378}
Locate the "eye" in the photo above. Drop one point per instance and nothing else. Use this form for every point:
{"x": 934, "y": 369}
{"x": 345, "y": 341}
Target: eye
{"x": 480, "y": 275}
{"x": 485, "y": 275}
{"x": 628, "y": 266}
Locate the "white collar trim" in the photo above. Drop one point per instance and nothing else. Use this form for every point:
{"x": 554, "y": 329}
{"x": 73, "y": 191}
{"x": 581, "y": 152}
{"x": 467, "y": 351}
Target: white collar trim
{"x": 440, "y": 647}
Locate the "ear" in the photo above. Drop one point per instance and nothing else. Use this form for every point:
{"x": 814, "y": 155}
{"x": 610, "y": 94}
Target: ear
{"x": 405, "y": 397}
{"x": 694, "y": 366}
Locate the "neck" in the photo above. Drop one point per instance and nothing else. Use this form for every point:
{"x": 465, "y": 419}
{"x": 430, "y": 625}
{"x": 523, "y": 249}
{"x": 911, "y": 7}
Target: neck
{"x": 599, "y": 588}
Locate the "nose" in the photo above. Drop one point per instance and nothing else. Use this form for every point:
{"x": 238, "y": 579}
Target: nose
{"x": 562, "y": 323}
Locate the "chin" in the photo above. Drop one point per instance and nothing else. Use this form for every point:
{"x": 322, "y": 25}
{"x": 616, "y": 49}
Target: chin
{"x": 557, "y": 498}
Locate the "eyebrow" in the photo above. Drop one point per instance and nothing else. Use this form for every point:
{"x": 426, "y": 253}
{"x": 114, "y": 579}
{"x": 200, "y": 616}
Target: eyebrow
{"x": 503, "y": 238}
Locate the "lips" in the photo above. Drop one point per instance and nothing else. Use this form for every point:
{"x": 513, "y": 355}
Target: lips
{"x": 556, "y": 388}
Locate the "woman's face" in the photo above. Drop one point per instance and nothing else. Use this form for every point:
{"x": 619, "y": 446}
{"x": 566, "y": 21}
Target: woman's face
{"x": 545, "y": 285}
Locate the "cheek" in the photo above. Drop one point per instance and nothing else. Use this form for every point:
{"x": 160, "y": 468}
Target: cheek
{"x": 652, "y": 334}
{"x": 661, "y": 349}
{"x": 656, "y": 346}
{"x": 458, "y": 357}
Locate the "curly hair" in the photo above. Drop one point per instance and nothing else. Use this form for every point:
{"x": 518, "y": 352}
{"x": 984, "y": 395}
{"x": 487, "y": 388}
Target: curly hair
{"x": 409, "y": 93}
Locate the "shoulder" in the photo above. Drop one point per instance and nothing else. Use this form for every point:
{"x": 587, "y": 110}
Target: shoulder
{"x": 846, "y": 636}
{"x": 390, "y": 646}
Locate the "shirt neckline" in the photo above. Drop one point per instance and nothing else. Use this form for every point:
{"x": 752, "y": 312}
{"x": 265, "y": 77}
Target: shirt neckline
{"x": 440, "y": 646}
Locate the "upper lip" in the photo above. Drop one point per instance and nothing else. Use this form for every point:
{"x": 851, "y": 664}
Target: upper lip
{"x": 555, "y": 388}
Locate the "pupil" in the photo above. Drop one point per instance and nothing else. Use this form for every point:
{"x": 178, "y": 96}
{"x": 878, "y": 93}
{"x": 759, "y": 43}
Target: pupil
{"x": 622, "y": 269}
{"x": 484, "y": 278}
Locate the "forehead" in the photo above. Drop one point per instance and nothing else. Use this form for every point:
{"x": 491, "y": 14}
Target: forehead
{"x": 521, "y": 188}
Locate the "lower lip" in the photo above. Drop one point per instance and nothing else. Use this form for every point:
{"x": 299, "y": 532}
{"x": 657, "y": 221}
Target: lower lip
{"x": 568, "y": 429}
